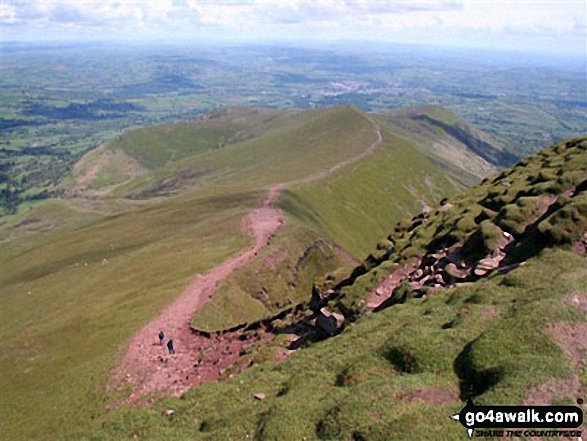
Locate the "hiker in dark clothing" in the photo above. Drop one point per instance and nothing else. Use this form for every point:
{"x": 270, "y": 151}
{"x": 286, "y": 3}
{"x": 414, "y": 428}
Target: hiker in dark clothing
{"x": 161, "y": 337}
{"x": 170, "y": 347}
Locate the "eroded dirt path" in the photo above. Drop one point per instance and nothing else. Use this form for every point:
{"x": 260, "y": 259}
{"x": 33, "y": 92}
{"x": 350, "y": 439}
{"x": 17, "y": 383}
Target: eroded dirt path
{"x": 147, "y": 367}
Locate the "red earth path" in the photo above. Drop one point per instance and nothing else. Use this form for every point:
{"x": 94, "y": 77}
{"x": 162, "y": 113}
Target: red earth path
{"x": 146, "y": 367}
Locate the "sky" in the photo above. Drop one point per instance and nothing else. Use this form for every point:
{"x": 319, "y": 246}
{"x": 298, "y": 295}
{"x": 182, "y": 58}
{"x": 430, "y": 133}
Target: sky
{"x": 543, "y": 26}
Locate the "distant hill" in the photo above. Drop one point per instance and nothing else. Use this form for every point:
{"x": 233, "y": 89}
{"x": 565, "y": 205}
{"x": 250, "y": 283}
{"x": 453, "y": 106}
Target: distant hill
{"x": 139, "y": 151}
{"x": 484, "y": 296}
{"x": 416, "y": 164}
{"x": 450, "y": 141}
{"x": 176, "y": 156}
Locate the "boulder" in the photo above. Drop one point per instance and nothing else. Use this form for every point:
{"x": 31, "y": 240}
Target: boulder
{"x": 260, "y": 396}
{"x": 331, "y": 322}
{"x": 452, "y": 270}
{"x": 503, "y": 241}
{"x": 488, "y": 264}
{"x": 480, "y": 272}
{"x": 424, "y": 279}
{"x": 439, "y": 279}
{"x": 415, "y": 285}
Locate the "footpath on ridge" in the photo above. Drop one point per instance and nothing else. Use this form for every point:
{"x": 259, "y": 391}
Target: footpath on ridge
{"x": 147, "y": 367}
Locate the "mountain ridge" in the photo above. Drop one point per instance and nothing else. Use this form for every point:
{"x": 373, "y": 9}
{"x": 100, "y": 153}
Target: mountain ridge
{"x": 511, "y": 334}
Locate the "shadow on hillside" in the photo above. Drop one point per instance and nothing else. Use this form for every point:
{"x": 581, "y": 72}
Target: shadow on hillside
{"x": 473, "y": 382}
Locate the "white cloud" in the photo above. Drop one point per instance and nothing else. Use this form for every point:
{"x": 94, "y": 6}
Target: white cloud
{"x": 394, "y": 20}
{"x": 7, "y": 14}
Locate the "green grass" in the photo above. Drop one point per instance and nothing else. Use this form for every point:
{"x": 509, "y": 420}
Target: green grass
{"x": 447, "y": 140}
{"x": 281, "y": 275}
{"x": 137, "y": 151}
{"x": 97, "y": 269}
{"x": 356, "y": 384}
{"x": 299, "y": 146}
{"x": 100, "y": 269}
{"x": 502, "y": 201}
{"x": 355, "y": 207}
{"x": 398, "y": 180}
{"x": 155, "y": 147}
{"x": 71, "y": 300}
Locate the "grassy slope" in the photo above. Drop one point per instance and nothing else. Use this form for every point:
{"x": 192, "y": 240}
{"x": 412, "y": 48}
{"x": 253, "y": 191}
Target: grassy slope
{"x": 487, "y": 340}
{"x": 300, "y": 146}
{"x": 510, "y": 201}
{"x": 451, "y": 153}
{"x": 436, "y": 118}
{"x": 398, "y": 181}
{"x": 137, "y": 151}
{"x": 356, "y": 384}
{"x": 63, "y": 337}
{"x": 280, "y": 276}
{"x": 157, "y": 146}
{"x": 354, "y": 208}
{"x": 62, "y": 322}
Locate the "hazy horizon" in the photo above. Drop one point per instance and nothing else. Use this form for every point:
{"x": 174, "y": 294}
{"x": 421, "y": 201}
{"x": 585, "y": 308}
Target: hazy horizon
{"x": 538, "y": 27}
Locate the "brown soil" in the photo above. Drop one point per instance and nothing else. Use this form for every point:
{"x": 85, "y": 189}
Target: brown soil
{"x": 555, "y": 388}
{"x": 385, "y": 289}
{"x": 275, "y": 258}
{"x": 147, "y": 367}
{"x": 488, "y": 312}
{"x": 572, "y": 338}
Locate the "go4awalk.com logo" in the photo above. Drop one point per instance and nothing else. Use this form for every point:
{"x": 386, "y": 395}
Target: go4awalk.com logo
{"x": 527, "y": 421}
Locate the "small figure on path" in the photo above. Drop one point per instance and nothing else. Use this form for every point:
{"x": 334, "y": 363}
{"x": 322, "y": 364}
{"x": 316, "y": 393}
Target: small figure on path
{"x": 161, "y": 337}
{"x": 170, "y": 347}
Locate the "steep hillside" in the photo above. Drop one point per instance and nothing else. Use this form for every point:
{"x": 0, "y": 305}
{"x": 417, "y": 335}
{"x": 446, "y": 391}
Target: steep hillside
{"x": 139, "y": 151}
{"x": 257, "y": 144}
{"x": 449, "y": 141}
{"x": 83, "y": 274}
{"x": 396, "y": 173}
{"x": 399, "y": 180}
{"x": 541, "y": 202}
{"x": 514, "y": 333}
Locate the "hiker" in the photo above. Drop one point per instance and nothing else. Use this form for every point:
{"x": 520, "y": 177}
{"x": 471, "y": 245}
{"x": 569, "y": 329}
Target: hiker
{"x": 161, "y": 337}
{"x": 170, "y": 347}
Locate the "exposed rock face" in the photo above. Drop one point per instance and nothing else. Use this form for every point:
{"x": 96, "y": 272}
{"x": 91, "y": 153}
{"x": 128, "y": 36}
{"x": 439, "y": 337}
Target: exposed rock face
{"x": 441, "y": 268}
{"x": 488, "y": 264}
{"x": 457, "y": 273}
{"x": 331, "y": 322}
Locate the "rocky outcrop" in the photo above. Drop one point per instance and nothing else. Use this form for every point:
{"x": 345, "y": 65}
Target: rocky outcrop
{"x": 442, "y": 268}
{"x": 330, "y": 322}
